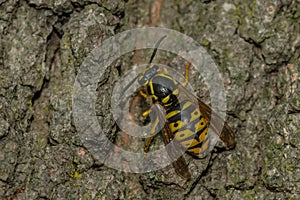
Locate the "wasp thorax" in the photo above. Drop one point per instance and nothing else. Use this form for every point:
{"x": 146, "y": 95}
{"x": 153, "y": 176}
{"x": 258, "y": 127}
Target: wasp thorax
{"x": 147, "y": 74}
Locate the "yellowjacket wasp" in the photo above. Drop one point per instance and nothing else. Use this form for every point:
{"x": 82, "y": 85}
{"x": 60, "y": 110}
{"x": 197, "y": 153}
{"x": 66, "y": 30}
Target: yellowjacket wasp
{"x": 186, "y": 117}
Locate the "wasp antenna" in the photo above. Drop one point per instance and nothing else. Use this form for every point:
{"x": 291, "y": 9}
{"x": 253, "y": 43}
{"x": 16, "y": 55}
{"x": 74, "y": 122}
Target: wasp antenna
{"x": 155, "y": 48}
{"x": 125, "y": 89}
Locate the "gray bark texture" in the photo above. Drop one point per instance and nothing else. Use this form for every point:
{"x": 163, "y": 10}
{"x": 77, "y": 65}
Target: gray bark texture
{"x": 256, "y": 45}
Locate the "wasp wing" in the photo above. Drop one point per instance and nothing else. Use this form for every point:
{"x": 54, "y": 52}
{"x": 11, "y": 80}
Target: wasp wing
{"x": 173, "y": 148}
{"x": 219, "y": 126}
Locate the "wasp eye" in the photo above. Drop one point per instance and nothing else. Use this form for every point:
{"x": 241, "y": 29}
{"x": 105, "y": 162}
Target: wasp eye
{"x": 148, "y": 74}
{"x": 142, "y": 80}
{"x": 154, "y": 67}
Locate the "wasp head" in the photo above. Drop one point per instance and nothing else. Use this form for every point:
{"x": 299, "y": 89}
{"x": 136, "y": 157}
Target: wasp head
{"x": 147, "y": 74}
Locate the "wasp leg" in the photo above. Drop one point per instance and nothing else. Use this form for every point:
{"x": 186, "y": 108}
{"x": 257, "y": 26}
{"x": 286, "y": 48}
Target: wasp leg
{"x": 144, "y": 94}
{"x": 146, "y": 113}
{"x": 187, "y": 69}
{"x": 157, "y": 125}
{"x": 149, "y": 139}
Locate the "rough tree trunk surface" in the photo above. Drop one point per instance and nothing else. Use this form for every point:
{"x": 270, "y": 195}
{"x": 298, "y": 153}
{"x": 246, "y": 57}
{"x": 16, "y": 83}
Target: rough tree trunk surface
{"x": 256, "y": 45}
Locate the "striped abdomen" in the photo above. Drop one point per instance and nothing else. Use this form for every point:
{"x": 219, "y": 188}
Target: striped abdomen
{"x": 189, "y": 127}
{"x": 184, "y": 118}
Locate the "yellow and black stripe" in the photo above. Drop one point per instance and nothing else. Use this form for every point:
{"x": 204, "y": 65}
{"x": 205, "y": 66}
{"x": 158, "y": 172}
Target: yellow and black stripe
{"x": 184, "y": 118}
{"x": 163, "y": 89}
{"x": 184, "y": 121}
{"x": 189, "y": 127}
